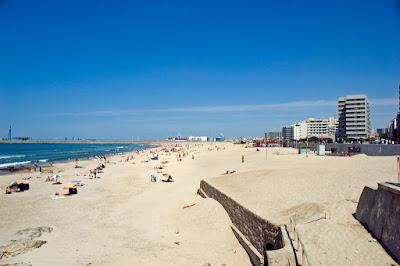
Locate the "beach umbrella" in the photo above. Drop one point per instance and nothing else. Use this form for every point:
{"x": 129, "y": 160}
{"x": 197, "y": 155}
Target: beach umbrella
{"x": 56, "y": 176}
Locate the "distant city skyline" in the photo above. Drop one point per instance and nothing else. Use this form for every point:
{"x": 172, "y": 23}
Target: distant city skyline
{"x": 149, "y": 70}
{"x": 291, "y": 111}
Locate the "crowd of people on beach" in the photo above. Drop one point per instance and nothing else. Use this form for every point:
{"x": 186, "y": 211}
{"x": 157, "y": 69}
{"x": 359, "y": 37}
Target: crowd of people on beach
{"x": 180, "y": 151}
{"x": 23, "y": 184}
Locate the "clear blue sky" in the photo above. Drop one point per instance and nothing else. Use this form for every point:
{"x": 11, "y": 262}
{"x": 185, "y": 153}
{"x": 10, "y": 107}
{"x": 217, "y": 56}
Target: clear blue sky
{"x": 150, "y": 69}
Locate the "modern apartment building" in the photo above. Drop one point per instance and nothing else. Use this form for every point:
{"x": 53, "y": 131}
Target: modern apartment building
{"x": 315, "y": 127}
{"x": 312, "y": 127}
{"x": 394, "y": 126}
{"x": 273, "y": 135}
{"x": 287, "y": 133}
{"x": 392, "y": 130}
{"x": 321, "y": 128}
{"x": 381, "y": 131}
{"x": 300, "y": 131}
{"x": 354, "y": 121}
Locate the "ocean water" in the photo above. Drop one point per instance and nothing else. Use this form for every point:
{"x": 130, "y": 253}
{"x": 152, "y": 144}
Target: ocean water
{"x": 24, "y": 154}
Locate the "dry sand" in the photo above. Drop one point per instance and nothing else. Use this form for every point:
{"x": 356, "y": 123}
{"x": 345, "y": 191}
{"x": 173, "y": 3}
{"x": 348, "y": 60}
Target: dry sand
{"x": 122, "y": 218}
{"x": 125, "y": 219}
{"x": 319, "y": 194}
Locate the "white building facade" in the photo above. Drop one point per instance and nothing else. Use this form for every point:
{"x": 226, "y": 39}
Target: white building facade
{"x": 313, "y": 127}
{"x": 198, "y": 138}
{"x": 354, "y": 120}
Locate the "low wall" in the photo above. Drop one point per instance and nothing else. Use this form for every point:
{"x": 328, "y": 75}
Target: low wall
{"x": 368, "y": 149}
{"x": 263, "y": 235}
{"x": 379, "y": 211}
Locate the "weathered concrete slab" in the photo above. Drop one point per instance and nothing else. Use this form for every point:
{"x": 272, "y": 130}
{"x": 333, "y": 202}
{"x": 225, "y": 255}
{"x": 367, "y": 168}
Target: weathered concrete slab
{"x": 379, "y": 211}
{"x": 368, "y": 149}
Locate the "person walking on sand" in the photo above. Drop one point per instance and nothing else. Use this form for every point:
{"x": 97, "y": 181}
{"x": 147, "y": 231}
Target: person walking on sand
{"x": 242, "y": 158}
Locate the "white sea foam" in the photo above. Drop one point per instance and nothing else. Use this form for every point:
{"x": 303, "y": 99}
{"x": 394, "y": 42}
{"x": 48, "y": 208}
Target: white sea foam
{"x": 11, "y": 156}
{"x": 43, "y": 161}
{"x": 5, "y": 165}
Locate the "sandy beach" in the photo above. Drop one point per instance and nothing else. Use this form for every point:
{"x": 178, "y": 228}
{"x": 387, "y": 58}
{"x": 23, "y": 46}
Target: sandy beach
{"x": 122, "y": 218}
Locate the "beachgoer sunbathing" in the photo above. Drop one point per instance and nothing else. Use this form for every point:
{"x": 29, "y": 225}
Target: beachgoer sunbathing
{"x": 229, "y": 172}
{"x": 169, "y": 179}
{"x": 14, "y": 188}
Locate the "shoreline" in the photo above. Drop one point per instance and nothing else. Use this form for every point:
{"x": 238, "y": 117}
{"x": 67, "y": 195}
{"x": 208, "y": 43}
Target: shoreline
{"x": 124, "y": 217}
{"x": 33, "y": 165}
{"x": 79, "y": 142}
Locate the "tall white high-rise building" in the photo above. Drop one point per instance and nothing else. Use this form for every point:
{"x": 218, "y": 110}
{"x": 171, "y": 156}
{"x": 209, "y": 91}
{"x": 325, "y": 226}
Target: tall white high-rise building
{"x": 354, "y": 120}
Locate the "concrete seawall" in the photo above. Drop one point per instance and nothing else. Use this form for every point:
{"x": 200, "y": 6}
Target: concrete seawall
{"x": 368, "y": 149}
{"x": 379, "y": 211}
{"x": 266, "y": 243}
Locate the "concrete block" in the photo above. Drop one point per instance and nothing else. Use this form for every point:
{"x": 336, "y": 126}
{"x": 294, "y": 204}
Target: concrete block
{"x": 379, "y": 211}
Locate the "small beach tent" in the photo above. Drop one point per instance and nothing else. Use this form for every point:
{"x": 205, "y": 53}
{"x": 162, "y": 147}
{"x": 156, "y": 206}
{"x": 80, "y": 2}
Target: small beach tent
{"x": 72, "y": 188}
